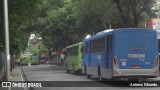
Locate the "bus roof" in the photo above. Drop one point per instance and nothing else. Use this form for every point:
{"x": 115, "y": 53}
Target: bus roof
{"x": 111, "y": 31}
{"x": 135, "y": 29}
{"x": 105, "y": 31}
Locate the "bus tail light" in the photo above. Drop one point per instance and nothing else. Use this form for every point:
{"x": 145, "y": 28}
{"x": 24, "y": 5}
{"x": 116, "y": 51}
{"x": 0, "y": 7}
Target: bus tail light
{"x": 116, "y": 72}
{"x": 80, "y": 61}
{"x": 156, "y": 61}
{"x": 115, "y": 61}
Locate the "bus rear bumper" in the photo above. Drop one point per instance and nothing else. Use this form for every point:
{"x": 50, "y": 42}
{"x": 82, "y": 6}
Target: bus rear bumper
{"x": 136, "y": 72}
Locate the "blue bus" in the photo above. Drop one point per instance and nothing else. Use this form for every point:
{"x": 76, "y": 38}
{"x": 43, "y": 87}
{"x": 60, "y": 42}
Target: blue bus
{"x": 121, "y": 53}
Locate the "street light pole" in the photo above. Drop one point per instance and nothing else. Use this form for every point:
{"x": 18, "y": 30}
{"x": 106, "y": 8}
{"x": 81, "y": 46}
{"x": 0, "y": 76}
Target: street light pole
{"x": 6, "y": 27}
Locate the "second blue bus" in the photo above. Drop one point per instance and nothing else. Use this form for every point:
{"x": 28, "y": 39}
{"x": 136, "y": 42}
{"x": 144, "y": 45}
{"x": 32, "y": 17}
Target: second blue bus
{"x": 122, "y": 53}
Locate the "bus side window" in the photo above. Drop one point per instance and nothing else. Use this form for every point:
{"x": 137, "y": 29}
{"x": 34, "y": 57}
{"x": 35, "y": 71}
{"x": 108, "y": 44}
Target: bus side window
{"x": 110, "y": 43}
{"x": 159, "y": 44}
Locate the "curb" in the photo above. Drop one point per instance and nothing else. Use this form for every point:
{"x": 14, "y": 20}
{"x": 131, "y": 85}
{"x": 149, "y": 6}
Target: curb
{"x": 24, "y": 79}
{"x": 23, "y": 75}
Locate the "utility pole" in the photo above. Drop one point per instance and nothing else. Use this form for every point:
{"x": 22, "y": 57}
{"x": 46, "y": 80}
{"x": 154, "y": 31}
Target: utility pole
{"x": 6, "y": 27}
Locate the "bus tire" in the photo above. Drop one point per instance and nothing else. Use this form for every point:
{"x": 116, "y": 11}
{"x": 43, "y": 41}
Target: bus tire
{"x": 66, "y": 65}
{"x": 99, "y": 73}
{"x": 85, "y": 70}
{"x": 68, "y": 71}
{"x": 74, "y": 72}
{"x": 88, "y": 76}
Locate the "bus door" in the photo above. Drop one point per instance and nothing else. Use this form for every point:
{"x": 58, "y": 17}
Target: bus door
{"x": 109, "y": 51}
{"x": 89, "y": 53}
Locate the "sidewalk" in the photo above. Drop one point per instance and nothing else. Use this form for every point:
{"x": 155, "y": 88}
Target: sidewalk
{"x": 16, "y": 74}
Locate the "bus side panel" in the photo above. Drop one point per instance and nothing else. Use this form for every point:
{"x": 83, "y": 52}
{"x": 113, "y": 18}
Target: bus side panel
{"x": 93, "y": 64}
{"x": 98, "y": 59}
{"x": 107, "y": 71}
{"x": 74, "y": 58}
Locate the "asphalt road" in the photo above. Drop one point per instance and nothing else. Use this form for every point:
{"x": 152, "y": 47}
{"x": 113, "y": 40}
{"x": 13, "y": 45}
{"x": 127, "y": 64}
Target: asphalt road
{"x": 58, "y": 79}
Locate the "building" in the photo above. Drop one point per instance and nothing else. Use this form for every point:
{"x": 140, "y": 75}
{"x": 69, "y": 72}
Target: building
{"x": 153, "y": 23}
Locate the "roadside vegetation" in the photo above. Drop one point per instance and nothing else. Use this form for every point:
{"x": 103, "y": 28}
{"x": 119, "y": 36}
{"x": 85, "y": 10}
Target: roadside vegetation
{"x": 64, "y": 22}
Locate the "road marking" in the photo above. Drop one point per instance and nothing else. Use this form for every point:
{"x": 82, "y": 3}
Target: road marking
{"x": 24, "y": 88}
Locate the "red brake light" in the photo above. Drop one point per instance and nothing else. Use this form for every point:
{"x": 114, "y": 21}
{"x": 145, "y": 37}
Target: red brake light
{"x": 156, "y": 61}
{"x": 80, "y": 61}
{"x": 115, "y": 61}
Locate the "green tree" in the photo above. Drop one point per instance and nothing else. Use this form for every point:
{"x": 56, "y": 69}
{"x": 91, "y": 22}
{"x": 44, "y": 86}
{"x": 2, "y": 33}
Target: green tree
{"x": 57, "y": 24}
{"x": 21, "y": 13}
{"x": 97, "y": 15}
{"x": 132, "y": 11}
{"x": 64, "y": 22}
{"x": 39, "y": 50}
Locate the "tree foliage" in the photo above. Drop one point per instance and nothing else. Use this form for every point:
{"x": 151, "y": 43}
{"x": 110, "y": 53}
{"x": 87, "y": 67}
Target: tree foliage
{"x": 95, "y": 15}
{"x": 39, "y": 50}
{"x": 131, "y": 11}
{"x": 21, "y": 13}
{"x": 64, "y": 22}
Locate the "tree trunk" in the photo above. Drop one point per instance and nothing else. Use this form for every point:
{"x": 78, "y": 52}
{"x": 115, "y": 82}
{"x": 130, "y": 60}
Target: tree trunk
{"x": 49, "y": 53}
{"x": 121, "y": 13}
{"x": 135, "y": 23}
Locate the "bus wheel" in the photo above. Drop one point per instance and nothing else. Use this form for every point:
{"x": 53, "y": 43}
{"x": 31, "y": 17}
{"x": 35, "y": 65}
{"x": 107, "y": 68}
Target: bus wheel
{"x": 68, "y": 71}
{"x": 88, "y": 76}
{"x": 80, "y": 72}
{"x": 99, "y": 74}
{"x": 85, "y": 70}
{"x": 74, "y": 72}
{"x": 99, "y": 78}
{"x": 66, "y": 66}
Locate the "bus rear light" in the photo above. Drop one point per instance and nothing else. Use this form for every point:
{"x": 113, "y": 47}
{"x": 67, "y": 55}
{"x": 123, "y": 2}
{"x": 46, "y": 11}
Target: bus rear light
{"x": 80, "y": 61}
{"x": 115, "y": 72}
{"x": 115, "y": 61}
{"x": 156, "y": 61}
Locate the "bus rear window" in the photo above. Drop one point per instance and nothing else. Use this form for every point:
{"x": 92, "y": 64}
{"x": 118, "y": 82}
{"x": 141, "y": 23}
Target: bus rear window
{"x": 135, "y": 39}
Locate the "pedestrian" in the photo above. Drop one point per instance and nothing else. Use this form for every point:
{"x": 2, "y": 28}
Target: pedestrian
{"x": 18, "y": 64}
